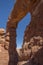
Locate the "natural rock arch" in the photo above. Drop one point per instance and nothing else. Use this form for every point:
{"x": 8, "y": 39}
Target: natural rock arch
{"x": 20, "y": 9}
{"x": 21, "y": 29}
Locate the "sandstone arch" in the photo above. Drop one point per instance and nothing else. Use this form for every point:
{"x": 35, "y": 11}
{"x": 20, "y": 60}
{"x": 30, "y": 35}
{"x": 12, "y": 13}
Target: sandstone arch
{"x": 21, "y": 8}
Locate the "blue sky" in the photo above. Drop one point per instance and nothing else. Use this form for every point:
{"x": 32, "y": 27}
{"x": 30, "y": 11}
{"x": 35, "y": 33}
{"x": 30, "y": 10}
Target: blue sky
{"x": 5, "y": 10}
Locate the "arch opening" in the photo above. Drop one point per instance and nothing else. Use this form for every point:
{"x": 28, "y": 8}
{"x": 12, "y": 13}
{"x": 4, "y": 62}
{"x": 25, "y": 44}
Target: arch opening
{"x": 21, "y": 28}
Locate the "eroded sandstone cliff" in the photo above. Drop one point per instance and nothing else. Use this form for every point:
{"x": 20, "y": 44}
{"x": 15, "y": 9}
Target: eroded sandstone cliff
{"x": 33, "y": 36}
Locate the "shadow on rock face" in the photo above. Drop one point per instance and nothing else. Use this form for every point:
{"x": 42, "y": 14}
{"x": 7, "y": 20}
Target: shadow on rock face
{"x": 13, "y": 55}
{"x": 13, "y": 58}
{"x": 37, "y": 58}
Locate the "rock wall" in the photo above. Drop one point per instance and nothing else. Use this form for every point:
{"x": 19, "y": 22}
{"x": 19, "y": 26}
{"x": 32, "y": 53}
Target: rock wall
{"x": 33, "y": 36}
{"x": 4, "y": 57}
{"x": 35, "y": 28}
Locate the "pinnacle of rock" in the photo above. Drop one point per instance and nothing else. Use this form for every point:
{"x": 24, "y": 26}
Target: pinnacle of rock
{"x": 2, "y": 31}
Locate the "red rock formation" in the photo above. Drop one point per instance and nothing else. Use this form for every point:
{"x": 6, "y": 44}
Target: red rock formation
{"x": 20, "y": 9}
{"x": 33, "y": 36}
{"x": 35, "y": 28}
{"x": 11, "y": 46}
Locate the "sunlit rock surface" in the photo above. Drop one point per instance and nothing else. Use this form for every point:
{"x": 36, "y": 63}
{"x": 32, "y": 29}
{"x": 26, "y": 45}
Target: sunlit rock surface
{"x": 3, "y": 53}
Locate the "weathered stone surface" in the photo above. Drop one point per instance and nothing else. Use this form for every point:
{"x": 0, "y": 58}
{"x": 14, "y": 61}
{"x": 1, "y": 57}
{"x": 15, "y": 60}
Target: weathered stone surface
{"x": 4, "y": 57}
{"x": 19, "y": 11}
{"x": 31, "y": 45}
{"x": 35, "y": 28}
{"x": 2, "y": 31}
{"x": 35, "y": 56}
{"x": 33, "y": 36}
{"x": 23, "y": 55}
{"x": 11, "y": 46}
{"x": 2, "y": 36}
